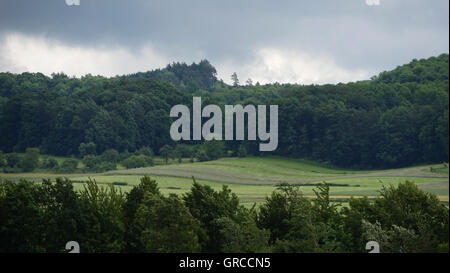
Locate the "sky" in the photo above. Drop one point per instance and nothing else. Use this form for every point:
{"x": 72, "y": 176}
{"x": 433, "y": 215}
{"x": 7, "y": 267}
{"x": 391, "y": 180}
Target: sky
{"x": 295, "y": 41}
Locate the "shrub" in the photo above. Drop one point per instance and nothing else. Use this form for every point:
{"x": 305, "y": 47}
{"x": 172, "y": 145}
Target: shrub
{"x": 110, "y": 155}
{"x": 49, "y": 163}
{"x": 12, "y": 160}
{"x": 104, "y": 167}
{"x": 68, "y": 165}
{"x": 30, "y": 160}
{"x": 87, "y": 149}
{"x": 147, "y": 151}
{"x": 137, "y": 161}
{"x": 242, "y": 152}
{"x": 90, "y": 161}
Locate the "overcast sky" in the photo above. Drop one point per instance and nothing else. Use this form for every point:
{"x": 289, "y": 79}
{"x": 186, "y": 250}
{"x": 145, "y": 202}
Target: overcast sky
{"x": 317, "y": 41}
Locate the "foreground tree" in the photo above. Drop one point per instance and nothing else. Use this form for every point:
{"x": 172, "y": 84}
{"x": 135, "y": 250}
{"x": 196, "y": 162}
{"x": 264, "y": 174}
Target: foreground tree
{"x": 21, "y": 218}
{"x": 167, "y": 225}
{"x": 241, "y": 236}
{"x": 102, "y": 225}
{"x": 133, "y": 201}
{"x": 207, "y": 205}
{"x": 62, "y": 214}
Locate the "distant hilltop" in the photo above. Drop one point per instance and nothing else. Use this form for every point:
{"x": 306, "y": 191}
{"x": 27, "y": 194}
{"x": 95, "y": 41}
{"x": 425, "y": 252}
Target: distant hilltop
{"x": 203, "y": 75}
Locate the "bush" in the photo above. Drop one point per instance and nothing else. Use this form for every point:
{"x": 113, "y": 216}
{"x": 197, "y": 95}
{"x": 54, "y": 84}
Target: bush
{"x": 90, "y": 161}
{"x": 111, "y": 155}
{"x": 124, "y": 155}
{"x": 210, "y": 150}
{"x": 87, "y": 149}
{"x": 137, "y": 161}
{"x": 68, "y": 165}
{"x": 49, "y": 163}
{"x": 242, "y": 152}
{"x": 97, "y": 164}
{"x": 12, "y": 160}
{"x": 202, "y": 155}
{"x": 104, "y": 167}
{"x": 30, "y": 160}
{"x": 147, "y": 151}
{"x": 184, "y": 150}
{"x": 12, "y": 170}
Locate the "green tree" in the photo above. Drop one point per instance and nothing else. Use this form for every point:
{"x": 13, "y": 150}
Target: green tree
{"x": 184, "y": 150}
{"x": 210, "y": 150}
{"x": 111, "y": 155}
{"x": 358, "y": 210}
{"x": 90, "y": 161}
{"x": 425, "y": 216}
{"x": 242, "y": 151}
{"x": 103, "y": 228}
{"x": 201, "y": 155}
{"x": 61, "y": 216}
{"x": 405, "y": 210}
{"x": 166, "y": 152}
{"x": 167, "y": 226}
{"x": 12, "y": 159}
{"x": 207, "y": 205}
{"x": 49, "y": 163}
{"x": 21, "y": 218}
{"x": 278, "y": 210}
{"x": 234, "y": 79}
{"x": 147, "y": 151}
{"x": 137, "y": 161}
{"x": 133, "y": 201}
{"x": 395, "y": 240}
{"x": 87, "y": 149}
{"x": 314, "y": 226}
{"x": 30, "y": 160}
{"x": 68, "y": 165}
{"x": 243, "y": 237}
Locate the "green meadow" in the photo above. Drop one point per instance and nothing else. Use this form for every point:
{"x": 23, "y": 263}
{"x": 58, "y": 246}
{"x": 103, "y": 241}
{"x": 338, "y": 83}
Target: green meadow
{"x": 254, "y": 178}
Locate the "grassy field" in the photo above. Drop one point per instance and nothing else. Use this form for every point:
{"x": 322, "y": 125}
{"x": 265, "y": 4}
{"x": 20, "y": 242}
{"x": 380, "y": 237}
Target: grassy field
{"x": 253, "y": 178}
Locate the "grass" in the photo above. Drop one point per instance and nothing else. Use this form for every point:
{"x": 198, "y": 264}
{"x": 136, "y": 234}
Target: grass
{"x": 254, "y": 178}
{"x": 440, "y": 169}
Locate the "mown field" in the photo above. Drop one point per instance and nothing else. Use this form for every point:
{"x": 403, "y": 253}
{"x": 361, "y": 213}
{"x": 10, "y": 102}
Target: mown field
{"x": 253, "y": 178}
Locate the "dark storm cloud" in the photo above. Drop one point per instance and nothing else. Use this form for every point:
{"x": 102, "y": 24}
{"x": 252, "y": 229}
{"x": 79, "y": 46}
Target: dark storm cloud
{"x": 355, "y": 35}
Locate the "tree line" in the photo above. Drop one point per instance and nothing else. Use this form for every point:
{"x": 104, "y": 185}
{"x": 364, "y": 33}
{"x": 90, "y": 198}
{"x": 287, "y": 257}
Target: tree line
{"x": 43, "y": 217}
{"x": 397, "y": 118}
{"x": 89, "y": 161}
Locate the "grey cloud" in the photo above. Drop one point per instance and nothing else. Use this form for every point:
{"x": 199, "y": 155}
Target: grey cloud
{"x": 356, "y": 35}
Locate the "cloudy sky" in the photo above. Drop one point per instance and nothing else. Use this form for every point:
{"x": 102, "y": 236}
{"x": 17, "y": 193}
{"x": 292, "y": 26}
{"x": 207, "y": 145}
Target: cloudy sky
{"x": 317, "y": 41}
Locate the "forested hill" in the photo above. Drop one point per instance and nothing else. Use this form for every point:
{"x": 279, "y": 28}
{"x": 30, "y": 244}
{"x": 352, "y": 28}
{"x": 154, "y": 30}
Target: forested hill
{"x": 421, "y": 71}
{"x": 395, "y": 119}
{"x": 187, "y": 77}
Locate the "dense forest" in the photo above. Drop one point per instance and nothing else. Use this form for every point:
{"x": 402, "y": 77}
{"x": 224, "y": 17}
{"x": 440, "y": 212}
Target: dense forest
{"x": 42, "y": 217}
{"x": 397, "y": 118}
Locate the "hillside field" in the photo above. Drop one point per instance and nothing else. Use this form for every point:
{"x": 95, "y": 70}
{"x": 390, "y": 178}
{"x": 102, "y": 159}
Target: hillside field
{"x": 253, "y": 178}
